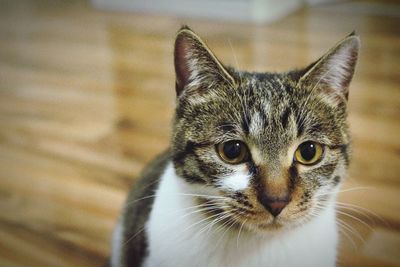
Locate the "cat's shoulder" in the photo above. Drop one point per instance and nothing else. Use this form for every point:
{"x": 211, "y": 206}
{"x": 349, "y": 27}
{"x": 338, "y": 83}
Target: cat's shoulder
{"x": 136, "y": 212}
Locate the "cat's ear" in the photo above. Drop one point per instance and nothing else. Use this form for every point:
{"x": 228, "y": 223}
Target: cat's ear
{"x": 195, "y": 64}
{"x": 333, "y": 72}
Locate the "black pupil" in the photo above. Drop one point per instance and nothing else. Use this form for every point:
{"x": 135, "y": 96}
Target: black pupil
{"x": 232, "y": 149}
{"x": 308, "y": 151}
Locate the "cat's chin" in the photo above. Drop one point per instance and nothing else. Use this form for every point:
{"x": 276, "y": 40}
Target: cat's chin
{"x": 277, "y": 225}
{"x": 274, "y": 225}
{"x": 270, "y": 229}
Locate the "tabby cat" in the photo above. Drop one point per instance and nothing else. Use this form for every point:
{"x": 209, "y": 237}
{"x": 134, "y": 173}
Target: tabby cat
{"x": 253, "y": 168}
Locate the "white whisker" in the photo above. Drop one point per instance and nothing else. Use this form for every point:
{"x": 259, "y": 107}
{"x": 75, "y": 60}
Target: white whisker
{"x": 202, "y": 195}
{"x": 342, "y": 230}
{"x": 362, "y": 210}
{"x": 351, "y": 229}
{"x": 355, "y": 218}
{"x": 240, "y": 230}
{"x": 229, "y": 224}
{"x": 345, "y": 190}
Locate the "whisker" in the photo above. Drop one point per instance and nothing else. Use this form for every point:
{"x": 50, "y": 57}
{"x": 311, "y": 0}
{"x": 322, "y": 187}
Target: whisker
{"x": 342, "y": 230}
{"x": 182, "y": 194}
{"x": 207, "y": 206}
{"x": 140, "y": 199}
{"x": 240, "y": 230}
{"x": 229, "y": 224}
{"x": 229, "y": 217}
{"x": 355, "y": 218}
{"x": 343, "y": 226}
{"x": 202, "y": 195}
{"x": 359, "y": 212}
{"x": 344, "y": 190}
{"x": 351, "y": 229}
{"x": 133, "y": 236}
{"x": 362, "y": 209}
{"x": 210, "y": 208}
{"x": 209, "y": 226}
{"x": 205, "y": 219}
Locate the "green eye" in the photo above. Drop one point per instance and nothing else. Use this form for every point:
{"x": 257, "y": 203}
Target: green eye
{"x": 308, "y": 153}
{"x": 232, "y": 152}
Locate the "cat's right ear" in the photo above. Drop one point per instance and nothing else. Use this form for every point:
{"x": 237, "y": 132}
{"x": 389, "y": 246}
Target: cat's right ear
{"x": 195, "y": 65}
{"x": 333, "y": 72}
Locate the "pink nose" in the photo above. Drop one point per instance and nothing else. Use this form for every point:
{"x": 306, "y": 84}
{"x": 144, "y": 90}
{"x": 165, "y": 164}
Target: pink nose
{"x": 274, "y": 205}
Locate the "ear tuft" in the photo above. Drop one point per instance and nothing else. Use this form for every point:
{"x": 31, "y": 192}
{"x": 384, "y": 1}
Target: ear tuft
{"x": 334, "y": 71}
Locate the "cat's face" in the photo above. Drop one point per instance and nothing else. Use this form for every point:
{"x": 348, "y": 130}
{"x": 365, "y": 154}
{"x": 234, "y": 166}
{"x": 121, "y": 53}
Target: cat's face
{"x": 271, "y": 148}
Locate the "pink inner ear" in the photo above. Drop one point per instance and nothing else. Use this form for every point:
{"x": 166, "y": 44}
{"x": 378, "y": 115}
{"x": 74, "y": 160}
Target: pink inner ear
{"x": 182, "y": 70}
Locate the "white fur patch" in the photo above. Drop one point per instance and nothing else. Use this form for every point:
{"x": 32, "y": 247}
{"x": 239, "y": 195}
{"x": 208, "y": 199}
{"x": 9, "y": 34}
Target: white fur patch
{"x": 236, "y": 182}
{"x": 178, "y": 236}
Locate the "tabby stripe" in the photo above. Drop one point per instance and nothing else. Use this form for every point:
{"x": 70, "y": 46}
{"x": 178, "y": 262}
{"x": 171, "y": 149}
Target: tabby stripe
{"x": 179, "y": 157}
{"x": 285, "y": 117}
{"x": 336, "y": 180}
{"x": 209, "y": 170}
{"x": 193, "y": 178}
{"x": 344, "y": 150}
{"x": 245, "y": 123}
{"x": 188, "y": 153}
{"x": 293, "y": 177}
{"x": 300, "y": 125}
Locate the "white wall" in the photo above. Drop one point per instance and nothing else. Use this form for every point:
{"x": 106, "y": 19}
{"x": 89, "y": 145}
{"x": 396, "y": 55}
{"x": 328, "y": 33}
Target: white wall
{"x": 258, "y": 11}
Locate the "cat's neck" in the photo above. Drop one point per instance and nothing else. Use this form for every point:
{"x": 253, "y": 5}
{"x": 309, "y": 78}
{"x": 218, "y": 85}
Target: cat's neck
{"x": 184, "y": 231}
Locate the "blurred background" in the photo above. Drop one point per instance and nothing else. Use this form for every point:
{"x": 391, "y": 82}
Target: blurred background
{"x": 87, "y": 96}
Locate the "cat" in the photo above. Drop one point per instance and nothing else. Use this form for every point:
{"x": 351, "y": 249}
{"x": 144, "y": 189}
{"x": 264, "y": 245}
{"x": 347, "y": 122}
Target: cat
{"x": 253, "y": 169}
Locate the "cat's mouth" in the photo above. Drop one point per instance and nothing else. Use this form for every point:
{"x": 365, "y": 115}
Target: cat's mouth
{"x": 248, "y": 213}
{"x": 243, "y": 217}
{"x": 264, "y": 222}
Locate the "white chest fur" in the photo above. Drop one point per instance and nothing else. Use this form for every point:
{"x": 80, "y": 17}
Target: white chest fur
{"x": 178, "y": 236}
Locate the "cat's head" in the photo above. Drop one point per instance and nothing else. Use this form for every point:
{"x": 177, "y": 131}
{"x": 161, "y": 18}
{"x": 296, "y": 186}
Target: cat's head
{"x": 273, "y": 147}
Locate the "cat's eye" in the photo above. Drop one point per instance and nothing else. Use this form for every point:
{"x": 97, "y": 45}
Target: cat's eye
{"x": 233, "y": 152}
{"x": 309, "y": 153}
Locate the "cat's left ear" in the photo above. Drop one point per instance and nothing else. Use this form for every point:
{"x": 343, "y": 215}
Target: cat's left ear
{"x": 333, "y": 72}
{"x": 195, "y": 65}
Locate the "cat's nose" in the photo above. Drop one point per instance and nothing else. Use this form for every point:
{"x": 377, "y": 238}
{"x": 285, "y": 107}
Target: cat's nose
{"x": 274, "y": 205}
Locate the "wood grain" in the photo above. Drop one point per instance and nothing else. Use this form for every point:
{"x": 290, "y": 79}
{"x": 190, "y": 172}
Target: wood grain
{"x": 86, "y": 99}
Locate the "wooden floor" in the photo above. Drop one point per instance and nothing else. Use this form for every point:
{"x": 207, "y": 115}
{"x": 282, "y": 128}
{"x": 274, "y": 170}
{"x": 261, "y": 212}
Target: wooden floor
{"x": 86, "y": 99}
